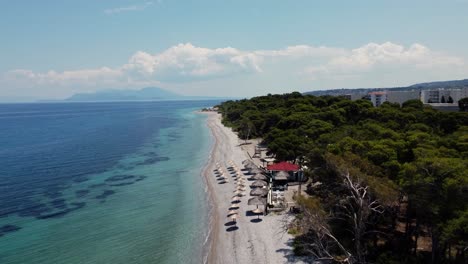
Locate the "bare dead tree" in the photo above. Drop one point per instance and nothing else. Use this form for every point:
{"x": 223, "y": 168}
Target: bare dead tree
{"x": 321, "y": 243}
{"x": 358, "y": 207}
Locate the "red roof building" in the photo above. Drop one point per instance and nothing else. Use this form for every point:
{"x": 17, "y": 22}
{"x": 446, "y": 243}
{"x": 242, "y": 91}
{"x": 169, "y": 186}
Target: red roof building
{"x": 283, "y": 166}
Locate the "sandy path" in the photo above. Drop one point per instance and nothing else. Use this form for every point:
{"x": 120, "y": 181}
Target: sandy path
{"x": 251, "y": 241}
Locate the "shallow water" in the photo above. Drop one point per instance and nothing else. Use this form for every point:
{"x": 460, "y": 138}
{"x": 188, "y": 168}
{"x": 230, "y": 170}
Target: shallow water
{"x": 102, "y": 182}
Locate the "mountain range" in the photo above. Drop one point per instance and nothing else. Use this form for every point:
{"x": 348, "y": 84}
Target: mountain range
{"x": 419, "y": 86}
{"x": 145, "y": 94}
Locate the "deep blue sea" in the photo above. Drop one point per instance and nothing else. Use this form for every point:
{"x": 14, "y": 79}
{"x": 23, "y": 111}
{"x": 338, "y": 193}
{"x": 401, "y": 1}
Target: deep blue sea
{"x": 103, "y": 182}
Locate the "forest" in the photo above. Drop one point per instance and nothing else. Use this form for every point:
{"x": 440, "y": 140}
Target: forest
{"x": 386, "y": 184}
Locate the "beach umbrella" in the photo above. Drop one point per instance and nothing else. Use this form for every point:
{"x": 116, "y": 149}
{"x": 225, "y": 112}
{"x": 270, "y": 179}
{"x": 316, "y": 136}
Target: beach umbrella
{"x": 255, "y": 170}
{"x": 237, "y": 192}
{"x": 235, "y": 199}
{"x": 259, "y": 177}
{"x": 234, "y": 218}
{"x": 248, "y": 164}
{"x": 257, "y": 211}
{"x": 259, "y": 192}
{"x": 234, "y": 207}
{"x": 256, "y": 201}
{"x": 258, "y": 184}
{"x": 232, "y": 212}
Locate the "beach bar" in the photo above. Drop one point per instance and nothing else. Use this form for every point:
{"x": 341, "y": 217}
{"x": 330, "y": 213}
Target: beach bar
{"x": 285, "y": 171}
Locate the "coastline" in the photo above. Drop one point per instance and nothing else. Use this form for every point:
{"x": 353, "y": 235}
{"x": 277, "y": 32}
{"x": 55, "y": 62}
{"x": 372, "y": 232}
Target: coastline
{"x": 254, "y": 241}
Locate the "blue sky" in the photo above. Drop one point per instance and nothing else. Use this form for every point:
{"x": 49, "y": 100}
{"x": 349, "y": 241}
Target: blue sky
{"x": 52, "y": 49}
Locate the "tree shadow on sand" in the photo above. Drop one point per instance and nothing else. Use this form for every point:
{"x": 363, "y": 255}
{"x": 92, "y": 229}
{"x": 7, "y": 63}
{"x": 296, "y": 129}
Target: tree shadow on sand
{"x": 288, "y": 254}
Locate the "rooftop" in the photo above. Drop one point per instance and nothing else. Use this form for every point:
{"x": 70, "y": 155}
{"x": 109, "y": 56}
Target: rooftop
{"x": 283, "y": 166}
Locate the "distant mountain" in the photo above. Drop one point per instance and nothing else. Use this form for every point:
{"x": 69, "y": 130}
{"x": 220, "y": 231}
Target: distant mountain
{"x": 418, "y": 86}
{"x": 149, "y": 93}
{"x": 442, "y": 84}
{"x": 145, "y": 94}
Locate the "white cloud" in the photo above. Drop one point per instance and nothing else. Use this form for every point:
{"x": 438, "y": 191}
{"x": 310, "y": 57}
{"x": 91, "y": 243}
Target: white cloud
{"x": 117, "y": 10}
{"x": 373, "y": 56}
{"x": 185, "y": 63}
{"x": 188, "y": 62}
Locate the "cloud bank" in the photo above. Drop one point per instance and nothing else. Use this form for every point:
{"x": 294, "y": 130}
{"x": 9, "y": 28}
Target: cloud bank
{"x": 186, "y": 62}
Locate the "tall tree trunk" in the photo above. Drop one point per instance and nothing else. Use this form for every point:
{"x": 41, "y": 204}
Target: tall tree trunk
{"x": 416, "y": 237}
{"x": 435, "y": 245}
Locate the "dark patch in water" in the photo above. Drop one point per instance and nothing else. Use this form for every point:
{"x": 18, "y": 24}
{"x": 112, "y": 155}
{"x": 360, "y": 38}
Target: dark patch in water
{"x": 77, "y": 206}
{"x": 81, "y": 193}
{"x": 123, "y": 180}
{"x": 80, "y": 179}
{"x": 34, "y": 210}
{"x": 152, "y": 160}
{"x": 53, "y": 215}
{"x": 125, "y": 167}
{"x": 61, "y": 213}
{"x": 119, "y": 178}
{"x": 53, "y": 194}
{"x": 8, "y": 229}
{"x": 59, "y": 204}
{"x": 173, "y": 135}
{"x": 99, "y": 185}
{"x": 121, "y": 184}
{"x": 150, "y": 154}
{"x": 140, "y": 178}
{"x": 104, "y": 194}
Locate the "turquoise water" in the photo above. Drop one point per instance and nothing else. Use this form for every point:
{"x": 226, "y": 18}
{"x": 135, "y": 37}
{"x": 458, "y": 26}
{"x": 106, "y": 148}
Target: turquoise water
{"x": 147, "y": 205}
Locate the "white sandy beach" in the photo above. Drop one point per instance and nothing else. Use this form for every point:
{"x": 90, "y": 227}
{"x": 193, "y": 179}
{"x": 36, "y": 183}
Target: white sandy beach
{"x": 250, "y": 241}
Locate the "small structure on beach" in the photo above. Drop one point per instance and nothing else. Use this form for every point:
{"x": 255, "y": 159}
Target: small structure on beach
{"x": 285, "y": 171}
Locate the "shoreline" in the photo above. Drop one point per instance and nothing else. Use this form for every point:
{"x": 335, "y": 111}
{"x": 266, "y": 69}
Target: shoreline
{"x": 253, "y": 240}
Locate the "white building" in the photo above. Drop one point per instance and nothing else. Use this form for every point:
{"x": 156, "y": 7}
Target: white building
{"x": 378, "y": 98}
{"x": 443, "y": 96}
{"x": 402, "y": 96}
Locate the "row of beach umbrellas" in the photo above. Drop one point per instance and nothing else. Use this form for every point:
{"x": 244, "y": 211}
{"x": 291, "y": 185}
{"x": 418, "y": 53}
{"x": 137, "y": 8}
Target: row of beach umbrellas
{"x": 258, "y": 191}
{"x": 238, "y": 192}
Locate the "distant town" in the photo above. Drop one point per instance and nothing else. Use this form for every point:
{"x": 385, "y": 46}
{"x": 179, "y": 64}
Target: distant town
{"x": 442, "y": 95}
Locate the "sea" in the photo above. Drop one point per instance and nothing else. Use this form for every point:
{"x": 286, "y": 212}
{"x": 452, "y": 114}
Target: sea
{"x": 114, "y": 182}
